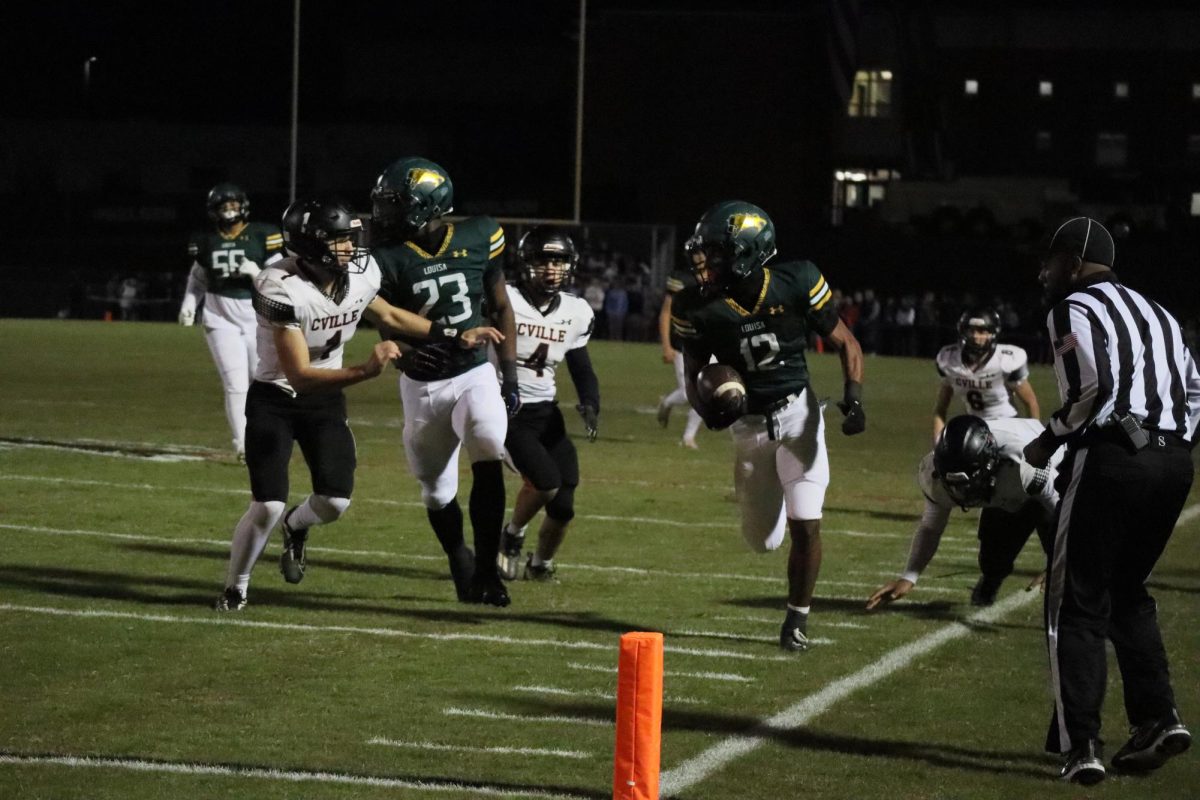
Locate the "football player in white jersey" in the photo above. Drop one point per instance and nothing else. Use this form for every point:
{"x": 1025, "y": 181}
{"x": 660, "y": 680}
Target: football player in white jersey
{"x": 308, "y": 307}
{"x": 981, "y": 372}
{"x": 552, "y": 327}
{"x": 978, "y": 464}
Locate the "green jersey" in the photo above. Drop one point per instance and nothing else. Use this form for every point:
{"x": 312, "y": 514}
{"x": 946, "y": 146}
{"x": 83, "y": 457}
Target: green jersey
{"x": 677, "y": 281}
{"x": 221, "y": 256}
{"x": 449, "y": 286}
{"x": 765, "y": 343}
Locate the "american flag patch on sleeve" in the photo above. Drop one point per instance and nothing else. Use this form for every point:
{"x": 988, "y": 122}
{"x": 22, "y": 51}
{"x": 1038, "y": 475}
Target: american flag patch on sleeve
{"x": 1066, "y": 344}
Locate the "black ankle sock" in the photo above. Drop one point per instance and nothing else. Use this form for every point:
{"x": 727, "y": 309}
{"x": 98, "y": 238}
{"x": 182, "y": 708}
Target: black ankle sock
{"x": 487, "y": 510}
{"x": 448, "y": 525}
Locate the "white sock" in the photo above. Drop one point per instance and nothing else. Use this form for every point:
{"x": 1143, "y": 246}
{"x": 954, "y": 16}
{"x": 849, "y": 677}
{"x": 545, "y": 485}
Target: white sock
{"x": 249, "y": 538}
{"x": 536, "y": 561}
{"x": 692, "y": 427}
{"x": 513, "y": 530}
{"x": 676, "y": 398}
{"x": 801, "y": 609}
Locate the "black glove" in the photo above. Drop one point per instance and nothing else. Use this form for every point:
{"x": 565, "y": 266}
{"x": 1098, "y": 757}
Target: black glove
{"x": 509, "y": 389}
{"x": 591, "y": 420}
{"x": 851, "y": 405}
{"x": 429, "y": 359}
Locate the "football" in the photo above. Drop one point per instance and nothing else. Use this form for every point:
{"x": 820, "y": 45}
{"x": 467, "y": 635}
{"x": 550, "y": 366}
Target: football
{"x": 722, "y": 394}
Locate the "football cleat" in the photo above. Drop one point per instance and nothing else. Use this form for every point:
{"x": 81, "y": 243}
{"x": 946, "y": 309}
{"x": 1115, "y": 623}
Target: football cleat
{"x": 984, "y": 592}
{"x": 462, "y": 569}
{"x": 488, "y": 590}
{"x": 1152, "y": 744}
{"x": 1083, "y": 764}
{"x": 509, "y": 559}
{"x": 545, "y": 571}
{"x": 293, "y": 559}
{"x": 793, "y": 636}
{"x": 664, "y": 412}
{"x": 230, "y": 600}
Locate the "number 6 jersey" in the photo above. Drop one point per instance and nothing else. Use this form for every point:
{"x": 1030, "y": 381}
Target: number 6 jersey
{"x": 285, "y": 298}
{"x": 545, "y": 337}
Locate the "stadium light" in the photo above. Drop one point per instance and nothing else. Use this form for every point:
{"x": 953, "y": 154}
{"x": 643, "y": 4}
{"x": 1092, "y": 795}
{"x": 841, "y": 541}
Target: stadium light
{"x": 87, "y": 72}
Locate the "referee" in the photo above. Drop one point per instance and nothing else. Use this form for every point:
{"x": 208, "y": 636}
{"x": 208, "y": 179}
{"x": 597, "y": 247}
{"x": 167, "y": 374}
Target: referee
{"x": 1131, "y": 403}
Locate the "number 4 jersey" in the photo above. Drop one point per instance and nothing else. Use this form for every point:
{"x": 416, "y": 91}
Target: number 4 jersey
{"x": 544, "y": 338}
{"x": 285, "y": 298}
{"x": 985, "y": 390}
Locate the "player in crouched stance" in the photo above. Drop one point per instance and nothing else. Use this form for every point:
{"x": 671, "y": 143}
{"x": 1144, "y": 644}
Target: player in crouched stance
{"x": 978, "y": 464}
{"x": 552, "y": 326}
{"x": 308, "y": 307}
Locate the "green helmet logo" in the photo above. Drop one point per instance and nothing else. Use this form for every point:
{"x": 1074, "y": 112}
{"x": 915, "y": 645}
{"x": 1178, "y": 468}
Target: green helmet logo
{"x": 732, "y": 240}
{"x": 408, "y": 194}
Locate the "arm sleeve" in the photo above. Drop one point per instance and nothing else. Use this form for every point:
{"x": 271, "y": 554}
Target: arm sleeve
{"x": 196, "y": 287}
{"x": 926, "y": 539}
{"x": 579, "y": 363}
{"x": 1081, "y": 364}
{"x": 273, "y": 304}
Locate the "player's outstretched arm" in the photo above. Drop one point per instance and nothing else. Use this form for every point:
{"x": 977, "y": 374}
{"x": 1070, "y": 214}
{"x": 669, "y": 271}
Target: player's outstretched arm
{"x": 664, "y": 329}
{"x": 1028, "y": 398}
{"x": 307, "y": 379}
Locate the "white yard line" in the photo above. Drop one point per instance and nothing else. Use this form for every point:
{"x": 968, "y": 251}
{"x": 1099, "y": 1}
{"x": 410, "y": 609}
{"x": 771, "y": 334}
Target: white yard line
{"x": 287, "y": 776}
{"x": 599, "y": 694}
{"x": 731, "y": 677}
{"x": 699, "y": 767}
{"x": 462, "y": 748}
{"x": 740, "y": 636}
{"x": 481, "y": 713}
{"x": 227, "y": 620}
{"x": 753, "y": 620}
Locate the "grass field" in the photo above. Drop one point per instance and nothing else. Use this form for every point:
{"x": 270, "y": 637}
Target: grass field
{"x": 369, "y": 681}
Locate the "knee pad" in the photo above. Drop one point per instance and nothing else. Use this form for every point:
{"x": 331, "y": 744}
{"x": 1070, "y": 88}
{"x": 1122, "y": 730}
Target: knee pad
{"x": 562, "y": 506}
{"x": 436, "y": 497}
{"x": 266, "y": 514}
{"x": 328, "y": 508}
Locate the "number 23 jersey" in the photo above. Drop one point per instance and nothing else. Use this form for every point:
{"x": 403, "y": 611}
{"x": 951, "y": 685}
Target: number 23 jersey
{"x": 544, "y": 338}
{"x": 449, "y": 286}
{"x": 284, "y": 298}
{"x": 985, "y": 390}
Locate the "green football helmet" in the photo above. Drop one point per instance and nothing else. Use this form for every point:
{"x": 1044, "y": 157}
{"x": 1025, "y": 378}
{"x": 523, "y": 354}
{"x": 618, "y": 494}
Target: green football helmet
{"x": 408, "y": 194}
{"x": 735, "y": 239}
{"x": 224, "y": 193}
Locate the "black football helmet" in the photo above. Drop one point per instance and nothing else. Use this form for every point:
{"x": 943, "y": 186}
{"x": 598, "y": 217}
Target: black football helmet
{"x": 972, "y": 321}
{"x": 311, "y": 226}
{"x": 408, "y": 194}
{"x": 224, "y": 193}
{"x": 547, "y": 258}
{"x": 965, "y": 460}
{"x": 735, "y": 238}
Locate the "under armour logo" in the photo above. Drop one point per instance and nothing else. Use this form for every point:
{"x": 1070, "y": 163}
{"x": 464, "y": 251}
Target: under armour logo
{"x": 459, "y": 254}
{"x": 775, "y": 310}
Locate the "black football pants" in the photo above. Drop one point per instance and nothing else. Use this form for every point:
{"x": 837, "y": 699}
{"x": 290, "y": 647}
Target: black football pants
{"x": 1117, "y": 512}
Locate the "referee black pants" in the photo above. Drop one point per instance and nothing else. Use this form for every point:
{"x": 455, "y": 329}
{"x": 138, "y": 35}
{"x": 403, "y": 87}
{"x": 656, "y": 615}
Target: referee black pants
{"x": 1117, "y": 512}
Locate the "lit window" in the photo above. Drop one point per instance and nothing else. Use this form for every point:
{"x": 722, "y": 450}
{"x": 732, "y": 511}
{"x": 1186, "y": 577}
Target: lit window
{"x": 1111, "y": 149}
{"x": 872, "y": 95}
{"x": 1196, "y": 91}
{"x": 1121, "y": 90}
{"x": 971, "y": 86}
{"x": 1196, "y": 204}
{"x": 1045, "y": 89}
{"x": 1043, "y": 141}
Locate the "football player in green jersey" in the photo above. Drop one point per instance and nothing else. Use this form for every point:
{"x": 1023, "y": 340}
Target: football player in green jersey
{"x": 757, "y": 320}
{"x": 450, "y": 272}
{"x": 673, "y": 354}
{"x": 224, "y": 262}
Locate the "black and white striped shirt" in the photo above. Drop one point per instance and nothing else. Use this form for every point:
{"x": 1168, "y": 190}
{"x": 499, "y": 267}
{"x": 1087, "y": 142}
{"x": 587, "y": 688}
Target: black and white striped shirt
{"x": 1115, "y": 351}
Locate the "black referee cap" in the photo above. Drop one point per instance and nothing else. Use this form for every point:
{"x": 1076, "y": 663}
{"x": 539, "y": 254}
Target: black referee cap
{"x": 1086, "y": 238}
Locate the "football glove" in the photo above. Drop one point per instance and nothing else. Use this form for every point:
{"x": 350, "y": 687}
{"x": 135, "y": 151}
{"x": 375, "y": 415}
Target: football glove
{"x": 851, "y": 406}
{"x": 249, "y": 268}
{"x": 187, "y": 317}
{"x": 591, "y": 420}
{"x": 509, "y": 389}
{"x": 430, "y": 359}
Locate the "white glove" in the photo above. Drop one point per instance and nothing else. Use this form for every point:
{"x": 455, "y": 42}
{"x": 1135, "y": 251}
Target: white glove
{"x": 187, "y": 317}
{"x": 249, "y": 268}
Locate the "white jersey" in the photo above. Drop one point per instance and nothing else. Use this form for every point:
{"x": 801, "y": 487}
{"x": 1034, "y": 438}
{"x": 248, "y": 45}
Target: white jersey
{"x": 284, "y": 298}
{"x": 985, "y": 390}
{"x": 544, "y": 339}
{"x": 1016, "y": 484}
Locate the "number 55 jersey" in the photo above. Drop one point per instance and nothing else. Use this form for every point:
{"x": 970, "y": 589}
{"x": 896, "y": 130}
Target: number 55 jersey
{"x": 985, "y": 389}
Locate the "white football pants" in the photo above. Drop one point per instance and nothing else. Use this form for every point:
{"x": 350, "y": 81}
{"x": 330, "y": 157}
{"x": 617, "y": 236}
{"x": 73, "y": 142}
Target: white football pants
{"x": 231, "y": 330}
